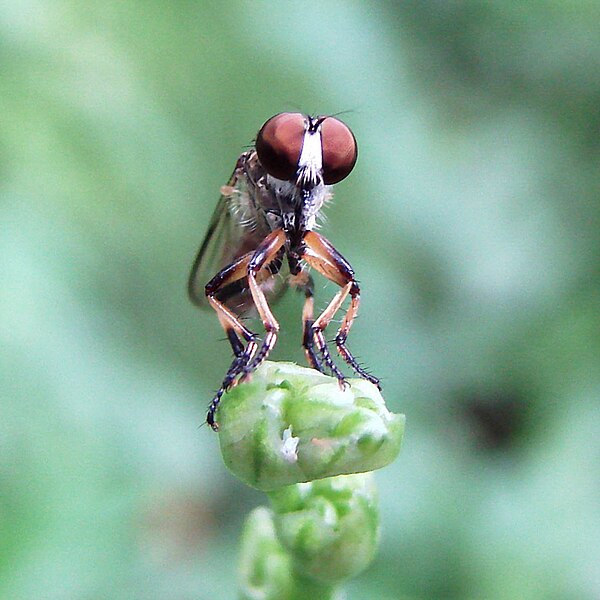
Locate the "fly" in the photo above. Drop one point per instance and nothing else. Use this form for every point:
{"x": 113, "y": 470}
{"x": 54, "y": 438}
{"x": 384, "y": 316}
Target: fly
{"x": 262, "y": 237}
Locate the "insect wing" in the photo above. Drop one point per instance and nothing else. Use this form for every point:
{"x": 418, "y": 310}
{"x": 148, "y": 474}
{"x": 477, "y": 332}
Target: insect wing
{"x": 212, "y": 252}
{"x": 236, "y": 228}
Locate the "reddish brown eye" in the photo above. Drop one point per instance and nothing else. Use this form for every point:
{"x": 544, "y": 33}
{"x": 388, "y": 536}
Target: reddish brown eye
{"x": 279, "y": 143}
{"x": 339, "y": 150}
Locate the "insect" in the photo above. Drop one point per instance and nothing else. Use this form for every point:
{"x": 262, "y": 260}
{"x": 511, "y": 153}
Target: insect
{"x": 262, "y": 237}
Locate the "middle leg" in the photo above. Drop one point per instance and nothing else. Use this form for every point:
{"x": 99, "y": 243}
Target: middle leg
{"x": 304, "y": 282}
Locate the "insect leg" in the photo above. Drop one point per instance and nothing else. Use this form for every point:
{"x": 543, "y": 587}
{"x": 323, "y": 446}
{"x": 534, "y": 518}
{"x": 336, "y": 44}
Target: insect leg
{"x": 342, "y": 335}
{"x": 304, "y": 282}
{"x": 236, "y": 343}
{"x": 321, "y": 255}
{"x": 263, "y": 255}
{"x": 233, "y": 327}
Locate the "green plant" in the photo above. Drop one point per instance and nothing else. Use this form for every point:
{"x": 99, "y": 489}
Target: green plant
{"x": 295, "y": 434}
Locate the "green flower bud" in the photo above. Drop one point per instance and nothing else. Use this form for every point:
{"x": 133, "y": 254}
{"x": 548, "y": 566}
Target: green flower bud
{"x": 266, "y": 571}
{"x": 291, "y": 424}
{"x": 330, "y": 527}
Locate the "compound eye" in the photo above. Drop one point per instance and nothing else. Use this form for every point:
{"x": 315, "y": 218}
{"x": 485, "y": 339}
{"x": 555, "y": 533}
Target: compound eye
{"x": 279, "y": 144}
{"x": 339, "y": 150}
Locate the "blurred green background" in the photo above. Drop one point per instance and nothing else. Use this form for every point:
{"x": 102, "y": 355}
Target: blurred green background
{"x": 472, "y": 220}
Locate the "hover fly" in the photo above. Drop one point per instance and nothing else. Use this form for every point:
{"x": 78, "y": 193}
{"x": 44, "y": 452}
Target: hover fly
{"x": 263, "y": 237}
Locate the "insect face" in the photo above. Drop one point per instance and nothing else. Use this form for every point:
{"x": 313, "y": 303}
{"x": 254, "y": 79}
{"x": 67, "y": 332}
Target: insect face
{"x": 295, "y": 147}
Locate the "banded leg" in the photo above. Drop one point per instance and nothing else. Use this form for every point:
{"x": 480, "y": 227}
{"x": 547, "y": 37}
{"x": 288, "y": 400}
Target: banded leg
{"x": 234, "y": 329}
{"x": 250, "y": 266}
{"x": 266, "y": 252}
{"x": 304, "y": 282}
{"x": 321, "y": 255}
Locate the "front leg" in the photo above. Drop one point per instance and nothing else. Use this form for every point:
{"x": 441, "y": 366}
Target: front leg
{"x": 321, "y": 255}
{"x": 264, "y": 254}
{"x": 234, "y": 329}
{"x": 248, "y": 358}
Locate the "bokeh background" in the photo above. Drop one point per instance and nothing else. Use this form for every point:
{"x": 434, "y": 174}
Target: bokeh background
{"x": 473, "y": 222}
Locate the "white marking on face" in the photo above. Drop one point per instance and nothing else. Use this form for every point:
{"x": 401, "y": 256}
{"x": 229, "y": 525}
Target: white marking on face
{"x": 310, "y": 163}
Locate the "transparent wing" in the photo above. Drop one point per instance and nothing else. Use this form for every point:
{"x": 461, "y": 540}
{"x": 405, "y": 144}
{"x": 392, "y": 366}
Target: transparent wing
{"x": 237, "y": 226}
{"x": 212, "y": 256}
